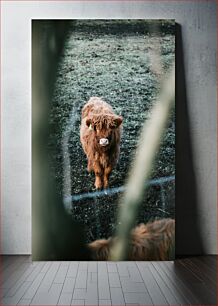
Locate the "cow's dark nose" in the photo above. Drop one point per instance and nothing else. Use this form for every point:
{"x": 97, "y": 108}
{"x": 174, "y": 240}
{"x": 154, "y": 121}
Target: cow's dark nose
{"x": 103, "y": 142}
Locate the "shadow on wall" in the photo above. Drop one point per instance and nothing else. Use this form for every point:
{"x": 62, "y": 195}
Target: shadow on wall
{"x": 188, "y": 234}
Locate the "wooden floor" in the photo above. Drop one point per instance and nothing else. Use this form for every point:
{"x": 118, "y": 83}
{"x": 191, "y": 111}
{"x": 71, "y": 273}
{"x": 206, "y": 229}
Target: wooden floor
{"x": 188, "y": 281}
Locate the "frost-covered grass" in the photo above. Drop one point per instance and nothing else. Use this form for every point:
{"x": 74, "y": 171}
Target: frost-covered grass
{"x": 111, "y": 60}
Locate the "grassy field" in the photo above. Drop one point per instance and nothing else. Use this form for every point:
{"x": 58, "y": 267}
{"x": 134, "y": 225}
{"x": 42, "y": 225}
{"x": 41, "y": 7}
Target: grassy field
{"x": 112, "y": 60}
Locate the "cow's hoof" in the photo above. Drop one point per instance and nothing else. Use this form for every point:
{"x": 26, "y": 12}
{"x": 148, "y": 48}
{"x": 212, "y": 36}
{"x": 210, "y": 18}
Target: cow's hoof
{"x": 106, "y": 186}
{"x": 98, "y": 185}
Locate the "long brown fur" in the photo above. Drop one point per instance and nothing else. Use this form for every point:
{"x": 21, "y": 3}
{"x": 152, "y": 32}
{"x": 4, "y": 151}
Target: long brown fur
{"x": 152, "y": 241}
{"x": 99, "y": 121}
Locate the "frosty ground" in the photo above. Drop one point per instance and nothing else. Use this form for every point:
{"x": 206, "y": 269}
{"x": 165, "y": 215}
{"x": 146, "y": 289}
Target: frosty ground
{"x": 111, "y": 60}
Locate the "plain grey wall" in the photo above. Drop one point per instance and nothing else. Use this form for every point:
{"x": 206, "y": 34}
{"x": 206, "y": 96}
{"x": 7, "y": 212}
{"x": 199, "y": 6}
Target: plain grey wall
{"x": 198, "y": 34}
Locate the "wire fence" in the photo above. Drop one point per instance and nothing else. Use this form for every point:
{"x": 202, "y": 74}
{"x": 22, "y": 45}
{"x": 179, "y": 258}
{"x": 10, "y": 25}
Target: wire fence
{"x": 97, "y": 210}
{"x": 90, "y": 195}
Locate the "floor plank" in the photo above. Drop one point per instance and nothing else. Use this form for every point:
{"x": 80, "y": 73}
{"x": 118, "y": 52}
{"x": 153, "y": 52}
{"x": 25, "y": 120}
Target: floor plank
{"x": 187, "y": 281}
{"x": 69, "y": 285}
{"x": 16, "y": 277}
{"x": 29, "y": 275}
{"x": 171, "y": 282}
{"x": 155, "y": 292}
{"x": 17, "y": 264}
{"x": 117, "y": 297}
{"x": 171, "y": 271}
{"x": 17, "y": 296}
{"x": 103, "y": 282}
{"x": 65, "y": 299}
{"x": 201, "y": 289}
{"x": 202, "y": 270}
{"x": 47, "y": 281}
{"x": 5, "y": 262}
{"x": 168, "y": 292}
{"x": 48, "y": 298}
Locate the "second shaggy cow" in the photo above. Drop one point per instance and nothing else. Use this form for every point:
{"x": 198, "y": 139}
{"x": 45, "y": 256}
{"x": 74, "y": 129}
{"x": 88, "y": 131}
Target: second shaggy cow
{"x": 100, "y": 137}
{"x": 151, "y": 241}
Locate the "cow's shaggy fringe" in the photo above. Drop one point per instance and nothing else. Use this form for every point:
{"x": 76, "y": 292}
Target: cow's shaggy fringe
{"x": 152, "y": 241}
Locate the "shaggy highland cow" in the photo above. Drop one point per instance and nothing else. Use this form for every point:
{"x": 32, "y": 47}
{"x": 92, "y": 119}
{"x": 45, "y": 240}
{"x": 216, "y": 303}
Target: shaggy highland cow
{"x": 152, "y": 241}
{"x": 100, "y": 137}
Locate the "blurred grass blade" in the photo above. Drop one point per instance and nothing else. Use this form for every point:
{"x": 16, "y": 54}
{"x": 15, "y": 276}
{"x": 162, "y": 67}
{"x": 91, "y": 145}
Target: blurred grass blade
{"x": 148, "y": 145}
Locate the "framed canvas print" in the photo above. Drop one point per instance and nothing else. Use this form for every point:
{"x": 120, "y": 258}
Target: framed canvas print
{"x": 103, "y": 139}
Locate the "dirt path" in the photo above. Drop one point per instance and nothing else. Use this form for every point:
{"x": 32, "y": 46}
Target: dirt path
{"x": 116, "y": 67}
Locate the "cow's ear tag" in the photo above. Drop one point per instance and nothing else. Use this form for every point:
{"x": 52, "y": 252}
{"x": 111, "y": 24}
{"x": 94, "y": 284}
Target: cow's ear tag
{"x": 90, "y": 127}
